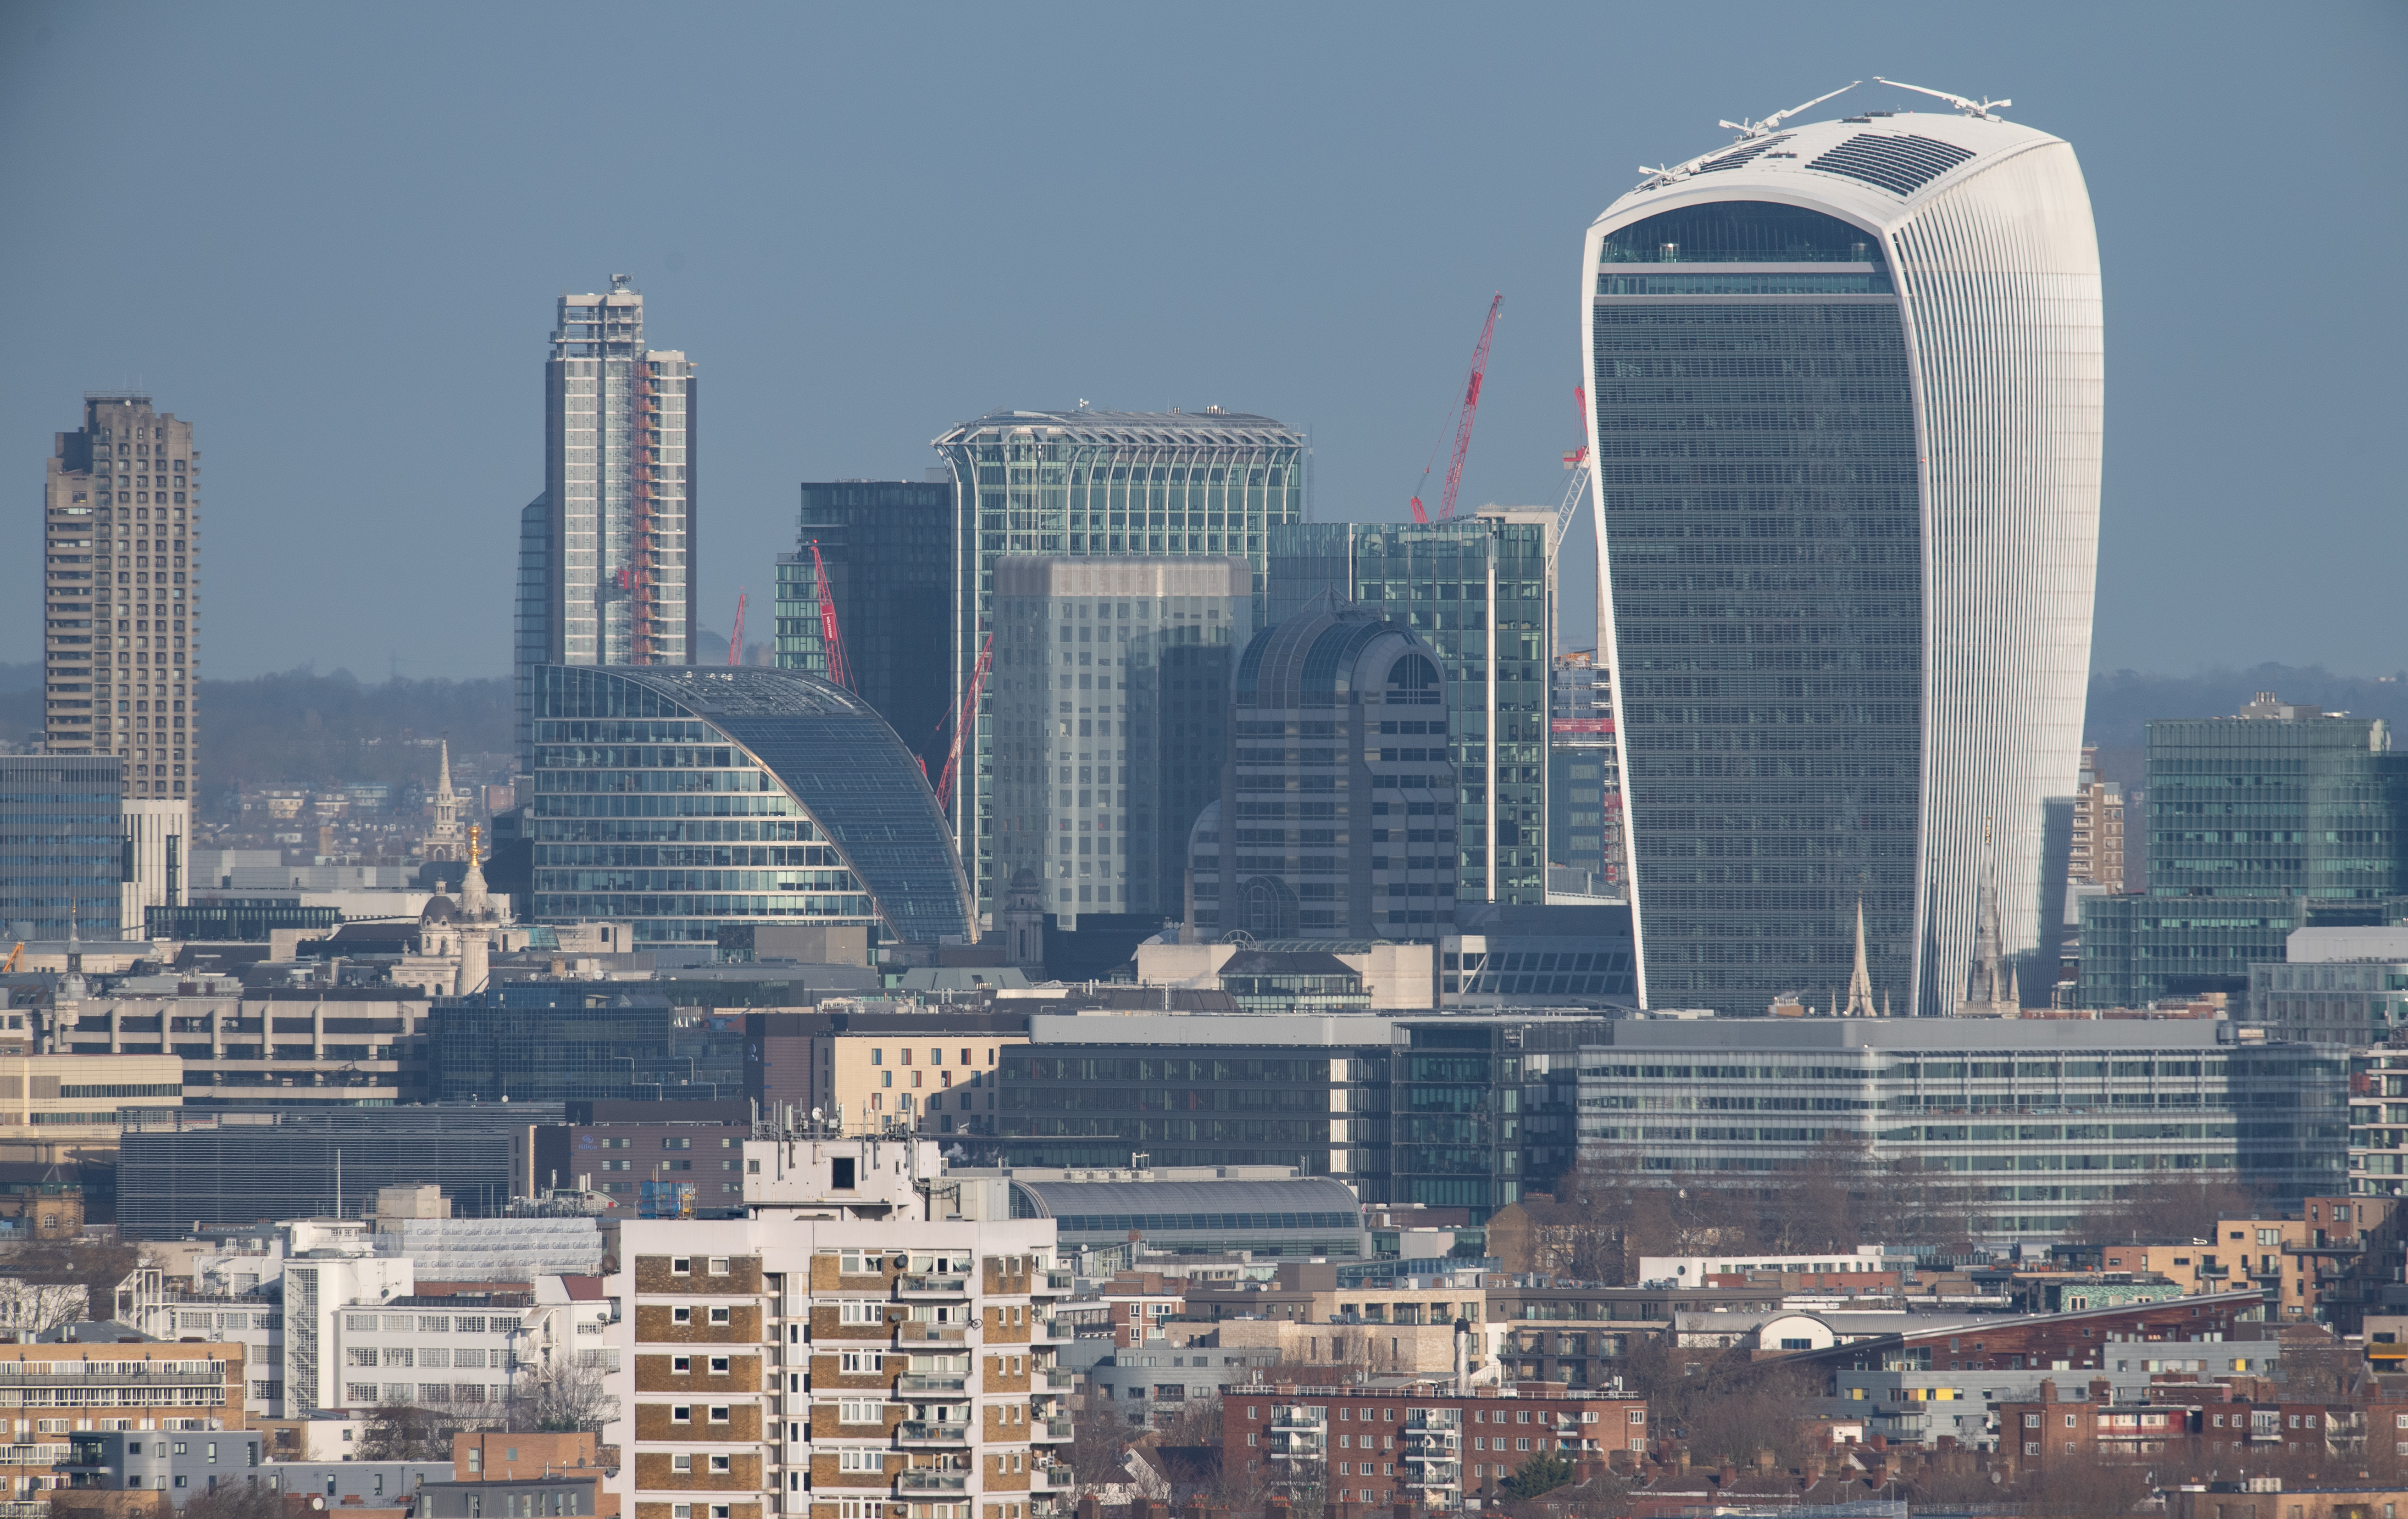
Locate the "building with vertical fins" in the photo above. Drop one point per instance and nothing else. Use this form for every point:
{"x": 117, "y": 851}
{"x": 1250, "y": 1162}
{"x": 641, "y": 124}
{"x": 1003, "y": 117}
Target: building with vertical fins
{"x": 1119, "y": 483}
{"x": 1846, "y": 385}
{"x": 618, "y": 554}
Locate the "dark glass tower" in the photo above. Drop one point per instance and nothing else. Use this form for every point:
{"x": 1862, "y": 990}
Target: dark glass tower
{"x": 888, "y": 548}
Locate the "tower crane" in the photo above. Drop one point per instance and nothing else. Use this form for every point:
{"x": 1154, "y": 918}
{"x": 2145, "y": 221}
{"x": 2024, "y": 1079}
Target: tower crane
{"x": 1577, "y": 461}
{"x": 1464, "y": 418}
{"x": 840, "y": 669}
{"x": 735, "y": 639}
{"x": 962, "y": 722}
{"x": 1748, "y": 130}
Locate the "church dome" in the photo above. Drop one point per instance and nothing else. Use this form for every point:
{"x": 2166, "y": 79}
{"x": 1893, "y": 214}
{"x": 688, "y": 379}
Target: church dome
{"x": 438, "y": 908}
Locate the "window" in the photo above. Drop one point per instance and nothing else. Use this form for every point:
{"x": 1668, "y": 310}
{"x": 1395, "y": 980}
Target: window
{"x": 860, "y": 1313}
{"x": 720, "y": 1464}
{"x": 860, "y": 1461}
{"x": 681, "y": 1365}
{"x": 680, "y": 1315}
{"x": 680, "y": 1463}
{"x": 718, "y": 1265}
{"x": 719, "y": 1414}
{"x": 681, "y": 1414}
{"x": 855, "y": 1363}
{"x": 719, "y": 1366}
{"x": 861, "y": 1410}
{"x": 719, "y": 1315}
{"x": 681, "y": 1266}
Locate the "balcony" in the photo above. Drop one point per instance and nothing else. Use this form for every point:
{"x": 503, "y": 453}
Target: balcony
{"x": 1060, "y": 1381}
{"x": 914, "y": 1432}
{"x": 927, "y": 1480}
{"x": 1295, "y": 1419}
{"x": 914, "y": 1381}
{"x": 933, "y": 1334}
{"x": 932, "y": 1287}
{"x": 1056, "y": 1476}
{"x": 1433, "y": 1474}
{"x": 1048, "y": 1431}
{"x": 1060, "y": 1281}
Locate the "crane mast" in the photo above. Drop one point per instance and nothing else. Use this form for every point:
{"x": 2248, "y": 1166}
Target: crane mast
{"x": 840, "y": 669}
{"x": 962, "y": 722}
{"x": 735, "y": 639}
{"x": 1466, "y": 415}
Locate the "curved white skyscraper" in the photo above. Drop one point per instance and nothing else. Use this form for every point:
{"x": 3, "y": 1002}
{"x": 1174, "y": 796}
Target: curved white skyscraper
{"x": 1846, "y": 385}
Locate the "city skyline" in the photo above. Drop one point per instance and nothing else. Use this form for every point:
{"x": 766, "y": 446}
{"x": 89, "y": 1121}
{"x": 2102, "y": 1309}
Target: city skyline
{"x": 1368, "y": 359}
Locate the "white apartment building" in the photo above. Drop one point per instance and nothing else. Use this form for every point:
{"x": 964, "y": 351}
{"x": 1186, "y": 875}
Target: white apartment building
{"x": 855, "y": 1349}
{"x": 1692, "y": 1271}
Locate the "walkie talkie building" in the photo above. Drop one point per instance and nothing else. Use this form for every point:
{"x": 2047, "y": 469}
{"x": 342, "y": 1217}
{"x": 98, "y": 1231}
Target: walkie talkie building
{"x": 1846, "y": 386}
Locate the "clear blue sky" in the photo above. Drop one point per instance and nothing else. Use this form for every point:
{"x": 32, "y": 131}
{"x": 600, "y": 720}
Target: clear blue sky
{"x": 331, "y": 235}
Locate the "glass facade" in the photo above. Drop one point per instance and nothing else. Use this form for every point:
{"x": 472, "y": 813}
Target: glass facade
{"x": 531, "y": 626}
{"x": 2033, "y": 1122}
{"x": 543, "y": 1043}
{"x": 680, "y": 799}
{"x": 2255, "y": 826}
{"x": 1109, "y": 706}
{"x": 888, "y": 548}
{"x": 1583, "y": 779}
{"x": 1480, "y": 591}
{"x": 1118, "y": 483}
{"x": 1463, "y": 1111}
{"x": 63, "y": 846}
{"x": 1340, "y": 820}
{"x": 1758, "y": 483}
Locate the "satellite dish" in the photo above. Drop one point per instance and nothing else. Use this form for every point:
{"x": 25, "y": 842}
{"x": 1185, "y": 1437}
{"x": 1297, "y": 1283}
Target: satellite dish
{"x": 815, "y": 1115}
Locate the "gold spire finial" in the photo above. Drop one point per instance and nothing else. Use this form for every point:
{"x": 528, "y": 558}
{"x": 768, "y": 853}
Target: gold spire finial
{"x": 473, "y": 832}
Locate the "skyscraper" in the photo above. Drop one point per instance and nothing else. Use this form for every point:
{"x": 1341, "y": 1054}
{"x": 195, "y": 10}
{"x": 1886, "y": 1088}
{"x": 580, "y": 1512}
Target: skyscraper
{"x": 1583, "y": 810}
{"x": 887, "y": 546}
{"x": 619, "y": 472}
{"x": 1846, "y": 383}
{"x": 1481, "y": 591}
{"x": 1212, "y": 483}
{"x": 121, "y": 644}
{"x": 1110, "y": 686}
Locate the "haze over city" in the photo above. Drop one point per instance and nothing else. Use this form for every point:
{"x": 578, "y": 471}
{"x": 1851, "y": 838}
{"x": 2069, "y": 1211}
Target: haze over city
{"x": 334, "y": 237}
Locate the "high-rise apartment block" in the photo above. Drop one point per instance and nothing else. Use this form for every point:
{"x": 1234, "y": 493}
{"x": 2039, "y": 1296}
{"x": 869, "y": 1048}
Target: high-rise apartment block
{"x": 873, "y": 1342}
{"x": 2275, "y": 819}
{"x": 886, "y": 547}
{"x": 122, "y": 518}
{"x": 1111, "y": 689}
{"x": 1480, "y": 590}
{"x": 2096, "y": 857}
{"x": 1114, "y": 483}
{"x": 1338, "y": 810}
{"x": 619, "y": 470}
{"x": 1846, "y": 385}
{"x": 1584, "y": 779}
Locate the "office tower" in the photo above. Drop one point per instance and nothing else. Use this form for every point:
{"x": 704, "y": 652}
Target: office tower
{"x": 681, "y": 800}
{"x": 62, "y": 845}
{"x": 887, "y": 546}
{"x": 1108, "y": 700}
{"x": 123, "y": 500}
{"x": 1337, "y": 817}
{"x": 619, "y": 474}
{"x": 2098, "y": 853}
{"x": 531, "y": 626}
{"x": 1846, "y": 389}
{"x": 1481, "y": 592}
{"x": 1209, "y": 484}
{"x": 1583, "y": 804}
{"x": 2275, "y": 819}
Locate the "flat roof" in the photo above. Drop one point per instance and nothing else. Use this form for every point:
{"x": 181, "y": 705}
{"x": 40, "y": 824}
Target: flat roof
{"x": 1968, "y": 1035}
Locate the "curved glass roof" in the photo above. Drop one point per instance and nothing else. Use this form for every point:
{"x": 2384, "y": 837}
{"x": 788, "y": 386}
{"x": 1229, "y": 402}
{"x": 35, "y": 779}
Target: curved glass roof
{"x": 836, "y": 756}
{"x": 1741, "y": 232}
{"x": 1311, "y": 659}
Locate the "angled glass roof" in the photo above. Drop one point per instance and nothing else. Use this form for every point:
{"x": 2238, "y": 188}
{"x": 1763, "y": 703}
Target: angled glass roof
{"x": 837, "y": 757}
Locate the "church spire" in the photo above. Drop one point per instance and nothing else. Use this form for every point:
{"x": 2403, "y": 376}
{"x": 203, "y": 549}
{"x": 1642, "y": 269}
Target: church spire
{"x": 1860, "y": 981}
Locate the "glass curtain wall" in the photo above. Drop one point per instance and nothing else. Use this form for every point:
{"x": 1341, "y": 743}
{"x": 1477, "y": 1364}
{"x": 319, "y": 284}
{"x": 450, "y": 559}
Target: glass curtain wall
{"x": 1758, "y": 464}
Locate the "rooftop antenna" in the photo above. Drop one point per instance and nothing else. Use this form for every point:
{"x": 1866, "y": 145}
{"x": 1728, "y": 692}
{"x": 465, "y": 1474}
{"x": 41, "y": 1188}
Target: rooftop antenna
{"x": 1747, "y": 129}
{"x": 1982, "y": 108}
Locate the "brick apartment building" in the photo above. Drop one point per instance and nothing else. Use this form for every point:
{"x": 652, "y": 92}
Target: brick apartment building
{"x": 1421, "y": 1443}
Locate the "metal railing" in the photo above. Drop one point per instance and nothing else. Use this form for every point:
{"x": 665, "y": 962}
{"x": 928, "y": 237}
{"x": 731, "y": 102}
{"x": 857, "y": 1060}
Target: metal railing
{"x": 914, "y": 1382}
{"x": 922, "y": 1480}
{"x": 938, "y": 1286}
{"x": 913, "y": 1431}
{"x": 938, "y": 1333}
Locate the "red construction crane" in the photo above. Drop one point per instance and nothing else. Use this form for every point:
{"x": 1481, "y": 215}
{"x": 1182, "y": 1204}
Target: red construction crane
{"x": 838, "y": 669}
{"x": 1464, "y": 418}
{"x": 962, "y": 722}
{"x": 735, "y": 639}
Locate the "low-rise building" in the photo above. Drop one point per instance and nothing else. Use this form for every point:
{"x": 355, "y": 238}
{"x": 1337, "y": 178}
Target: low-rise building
{"x": 92, "y": 1376}
{"x": 1400, "y": 1441}
{"x": 345, "y": 1045}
